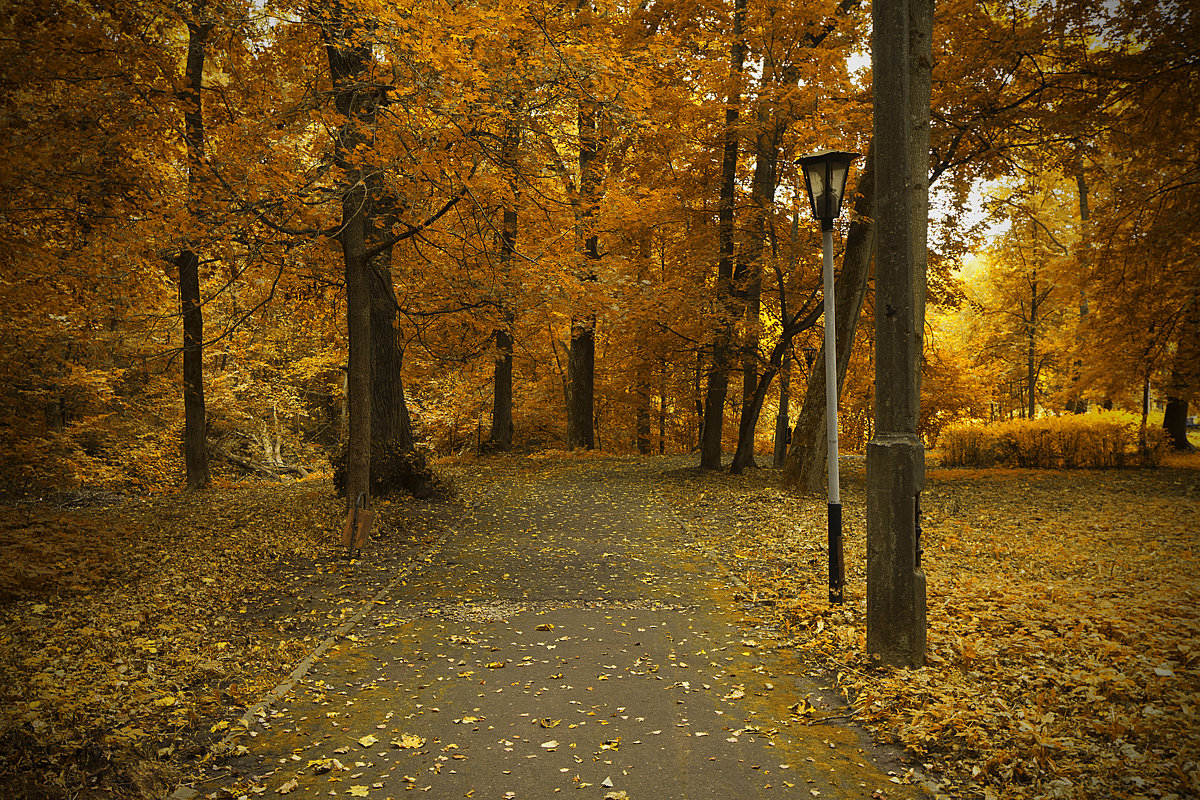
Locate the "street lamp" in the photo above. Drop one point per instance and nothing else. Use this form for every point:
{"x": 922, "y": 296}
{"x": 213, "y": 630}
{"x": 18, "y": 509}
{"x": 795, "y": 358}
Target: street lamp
{"x": 825, "y": 174}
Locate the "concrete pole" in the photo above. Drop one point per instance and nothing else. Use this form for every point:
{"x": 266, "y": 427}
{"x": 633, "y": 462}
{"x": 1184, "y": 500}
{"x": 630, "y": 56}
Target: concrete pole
{"x": 837, "y": 570}
{"x": 895, "y": 456}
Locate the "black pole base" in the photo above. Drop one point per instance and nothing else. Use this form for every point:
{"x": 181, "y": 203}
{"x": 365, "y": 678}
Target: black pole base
{"x": 837, "y": 565}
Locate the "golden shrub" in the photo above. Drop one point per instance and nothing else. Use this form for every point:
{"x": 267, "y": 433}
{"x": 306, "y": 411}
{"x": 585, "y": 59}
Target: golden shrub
{"x": 1089, "y": 441}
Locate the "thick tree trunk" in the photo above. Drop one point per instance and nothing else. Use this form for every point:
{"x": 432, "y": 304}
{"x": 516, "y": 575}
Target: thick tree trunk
{"x": 355, "y": 100}
{"x": 390, "y": 421}
{"x": 717, "y": 388}
{"x": 195, "y": 450}
{"x": 501, "y": 436}
{"x": 747, "y": 277}
{"x": 804, "y": 467}
{"x": 581, "y": 364}
{"x": 358, "y": 326}
{"x": 1175, "y": 423}
{"x": 195, "y": 446}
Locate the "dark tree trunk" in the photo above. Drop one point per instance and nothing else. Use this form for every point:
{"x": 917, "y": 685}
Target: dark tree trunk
{"x": 747, "y": 278}
{"x": 581, "y": 363}
{"x": 195, "y": 446}
{"x": 643, "y": 410}
{"x": 1185, "y": 376}
{"x": 717, "y": 387}
{"x": 195, "y": 450}
{"x": 1175, "y": 423}
{"x": 358, "y": 325}
{"x": 390, "y": 421}
{"x": 744, "y": 457}
{"x": 781, "y": 418}
{"x": 804, "y": 467}
{"x": 501, "y": 436}
{"x": 355, "y": 100}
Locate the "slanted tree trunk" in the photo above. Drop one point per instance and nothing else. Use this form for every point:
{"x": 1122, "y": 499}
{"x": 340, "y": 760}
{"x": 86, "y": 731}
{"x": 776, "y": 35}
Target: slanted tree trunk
{"x": 748, "y": 280}
{"x": 717, "y": 389}
{"x": 195, "y": 446}
{"x": 804, "y": 467}
{"x": 744, "y": 456}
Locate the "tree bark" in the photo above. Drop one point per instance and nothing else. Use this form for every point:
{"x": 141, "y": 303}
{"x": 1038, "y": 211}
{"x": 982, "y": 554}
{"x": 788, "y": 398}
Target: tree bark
{"x": 390, "y": 421}
{"x": 581, "y": 365}
{"x": 501, "y": 436}
{"x": 195, "y": 446}
{"x": 581, "y": 362}
{"x": 782, "y": 419}
{"x": 804, "y": 467}
{"x": 355, "y": 100}
{"x": 716, "y": 391}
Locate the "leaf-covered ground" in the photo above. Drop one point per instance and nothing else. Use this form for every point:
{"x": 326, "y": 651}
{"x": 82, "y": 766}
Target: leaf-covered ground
{"x": 132, "y": 634}
{"x": 1063, "y": 610}
{"x": 1064, "y": 640}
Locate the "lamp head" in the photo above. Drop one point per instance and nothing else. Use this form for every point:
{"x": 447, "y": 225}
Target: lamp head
{"x": 825, "y": 174}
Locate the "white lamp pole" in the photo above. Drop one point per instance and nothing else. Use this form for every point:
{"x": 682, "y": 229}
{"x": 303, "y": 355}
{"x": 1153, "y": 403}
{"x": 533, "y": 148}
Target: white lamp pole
{"x": 825, "y": 176}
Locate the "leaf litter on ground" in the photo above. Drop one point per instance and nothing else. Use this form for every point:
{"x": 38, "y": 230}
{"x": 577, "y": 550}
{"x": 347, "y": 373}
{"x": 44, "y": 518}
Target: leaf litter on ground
{"x": 134, "y": 635}
{"x": 1063, "y": 620}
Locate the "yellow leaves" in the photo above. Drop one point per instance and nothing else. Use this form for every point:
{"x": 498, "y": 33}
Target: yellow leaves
{"x": 368, "y": 740}
{"x": 408, "y": 741}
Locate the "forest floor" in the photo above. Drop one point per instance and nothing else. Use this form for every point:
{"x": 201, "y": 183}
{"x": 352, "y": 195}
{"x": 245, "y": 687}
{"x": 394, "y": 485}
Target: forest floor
{"x": 1064, "y": 619}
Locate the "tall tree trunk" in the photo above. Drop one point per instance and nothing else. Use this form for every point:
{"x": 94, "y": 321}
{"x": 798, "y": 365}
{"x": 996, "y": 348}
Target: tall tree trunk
{"x": 355, "y": 100}
{"x": 804, "y": 467}
{"x": 641, "y": 389}
{"x": 581, "y": 363}
{"x": 195, "y": 446}
{"x": 1077, "y": 404}
{"x": 501, "y": 436}
{"x": 390, "y": 421}
{"x": 1031, "y": 348}
{"x": 717, "y": 387}
{"x": 748, "y": 280}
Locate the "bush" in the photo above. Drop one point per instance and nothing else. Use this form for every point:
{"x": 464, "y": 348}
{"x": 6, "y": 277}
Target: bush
{"x": 1088, "y": 441}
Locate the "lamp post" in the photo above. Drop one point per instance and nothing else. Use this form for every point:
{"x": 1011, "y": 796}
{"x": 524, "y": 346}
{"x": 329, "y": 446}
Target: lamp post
{"x": 825, "y": 174}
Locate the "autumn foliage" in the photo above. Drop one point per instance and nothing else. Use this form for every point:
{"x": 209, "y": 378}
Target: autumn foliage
{"x": 1093, "y": 441}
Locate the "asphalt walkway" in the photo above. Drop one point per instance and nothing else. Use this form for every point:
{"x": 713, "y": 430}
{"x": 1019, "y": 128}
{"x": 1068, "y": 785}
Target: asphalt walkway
{"x": 563, "y": 640}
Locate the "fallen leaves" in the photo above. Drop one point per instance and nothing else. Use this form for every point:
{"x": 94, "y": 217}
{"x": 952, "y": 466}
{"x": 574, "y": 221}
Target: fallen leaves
{"x": 134, "y": 623}
{"x": 408, "y": 741}
{"x": 1062, "y": 611}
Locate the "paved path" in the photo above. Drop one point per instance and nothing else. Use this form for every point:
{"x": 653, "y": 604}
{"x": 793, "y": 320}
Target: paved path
{"x": 563, "y": 640}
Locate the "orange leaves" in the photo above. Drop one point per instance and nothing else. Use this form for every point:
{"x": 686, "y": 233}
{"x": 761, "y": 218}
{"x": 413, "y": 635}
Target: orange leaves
{"x": 1062, "y": 616}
